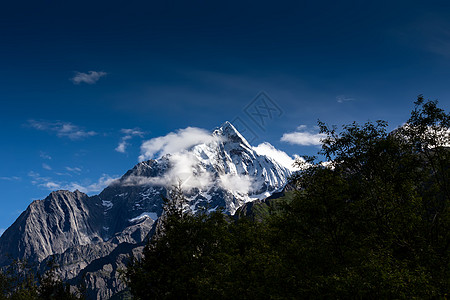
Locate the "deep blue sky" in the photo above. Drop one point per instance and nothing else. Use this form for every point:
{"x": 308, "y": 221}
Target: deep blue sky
{"x": 172, "y": 64}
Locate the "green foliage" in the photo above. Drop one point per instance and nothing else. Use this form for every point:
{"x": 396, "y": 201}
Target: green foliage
{"x": 20, "y": 283}
{"x": 52, "y": 288}
{"x": 371, "y": 222}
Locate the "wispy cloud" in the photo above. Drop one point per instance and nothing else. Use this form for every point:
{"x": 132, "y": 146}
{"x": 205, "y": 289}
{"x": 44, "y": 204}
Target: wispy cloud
{"x": 85, "y": 187}
{"x": 62, "y": 129}
{"x": 44, "y": 155}
{"x": 37, "y": 179}
{"x": 440, "y": 42}
{"x": 46, "y": 166}
{"x": 236, "y": 182}
{"x": 183, "y": 165}
{"x": 121, "y": 147}
{"x": 11, "y": 178}
{"x": 90, "y": 77}
{"x": 304, "y": 137}
{"x": 98, "y": 186}
{"x": 183, "y": 168}
{"x": 174, "y": 142}
{"x": 51, "y": 185}
{"x": 74, "y": 169}
{"x": 343, "y": 98}
{"x": 431, "y": 33}
{"x": 279, "y": 156}
{"x": 128, "y": 134}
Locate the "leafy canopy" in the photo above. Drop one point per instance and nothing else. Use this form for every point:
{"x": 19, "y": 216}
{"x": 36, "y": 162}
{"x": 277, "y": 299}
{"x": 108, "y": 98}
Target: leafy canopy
{"x": 372, "y": 221}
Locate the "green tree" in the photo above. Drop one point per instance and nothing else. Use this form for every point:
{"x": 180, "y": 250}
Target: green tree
{"x": 202, "y": 256}
{"x": 53, "y": 288}
{"x": 177, "y": 259}
{"x": 20, "y": 282}
{"x": 372, "y": 221}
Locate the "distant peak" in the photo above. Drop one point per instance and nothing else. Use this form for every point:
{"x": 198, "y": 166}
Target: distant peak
{"x": 230, "y": 132}
{"x": 227, "y": 127}
{"x": 67, "y": 193}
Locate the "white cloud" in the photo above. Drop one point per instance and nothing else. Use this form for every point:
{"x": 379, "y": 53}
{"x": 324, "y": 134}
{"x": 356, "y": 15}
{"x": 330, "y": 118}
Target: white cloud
{"x": 184, "y": 166}
{"x": 237, "y": 183}
{"x": 50, "y": 184}
{"x": 303, "y": 137}
{"x": 44, "y": 155}
{"x": 46, "y": 166}
{"x": 90, "y": 77}
{"x": 279, "y": 156}
{"x": 98, "y": 186}
{"x": 142, "y": 180}
{"x": 37, "y": 179}
{"x": 121, "y": 147}
{"x": 12, "y": 178}
{"x": 174, "y": 142}
{"x": 74, "y": 170}
{"x": 132, "y": 132}
{"x": 62, "y": 129}
{"x": 184, "y": 170}
{"x": 63, "y": 174}
{"x": 129, "y": 134}
{"x": 44, "y": 182}
{"x": 343, "y": 98}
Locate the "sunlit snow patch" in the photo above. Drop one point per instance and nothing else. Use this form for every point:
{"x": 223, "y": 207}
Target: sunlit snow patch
{"x": 107, "y": 204}
{"x": 144, "y": 215}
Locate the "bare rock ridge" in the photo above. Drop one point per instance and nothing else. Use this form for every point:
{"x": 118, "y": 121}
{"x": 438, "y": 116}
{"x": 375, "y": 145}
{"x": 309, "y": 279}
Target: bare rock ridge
{"x": 50, "y": 226}
{"x": 90, "y": 237}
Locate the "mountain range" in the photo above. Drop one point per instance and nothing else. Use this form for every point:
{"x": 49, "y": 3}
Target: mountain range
{"x": 90, "y": 238}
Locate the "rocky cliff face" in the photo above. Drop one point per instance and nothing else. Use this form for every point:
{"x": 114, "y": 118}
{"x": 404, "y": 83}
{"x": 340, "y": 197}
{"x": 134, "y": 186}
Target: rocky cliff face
{"x": 90, "y": 237}
{"x": 50, "y": 226}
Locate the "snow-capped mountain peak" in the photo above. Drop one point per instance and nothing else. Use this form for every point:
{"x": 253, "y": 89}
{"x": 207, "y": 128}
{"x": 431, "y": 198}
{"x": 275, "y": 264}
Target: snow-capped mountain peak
{"x": 214, "y": 169}
{"x": 231, "y": 134}
{"x": 222, "y": 170}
